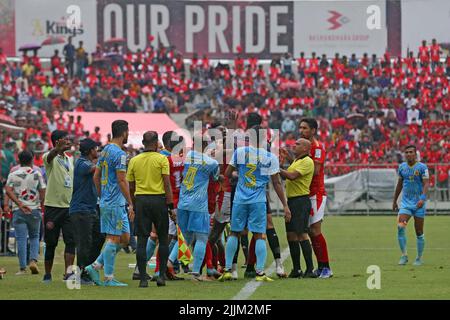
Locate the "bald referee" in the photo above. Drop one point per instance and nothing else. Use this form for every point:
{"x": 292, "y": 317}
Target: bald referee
{"x": 298, "y": 179}
{"x": 149, "y": 178}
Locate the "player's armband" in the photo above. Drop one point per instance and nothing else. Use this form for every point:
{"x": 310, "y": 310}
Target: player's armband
{"x": 423, "y": 197}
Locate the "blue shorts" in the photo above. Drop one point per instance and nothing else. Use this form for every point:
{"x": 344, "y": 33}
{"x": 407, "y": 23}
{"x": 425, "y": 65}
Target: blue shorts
{"x": 193, "y": 221}
{"x": 114, "y": 221}
{"x": 413, "y": 211}
{"x": 252, "y": 215}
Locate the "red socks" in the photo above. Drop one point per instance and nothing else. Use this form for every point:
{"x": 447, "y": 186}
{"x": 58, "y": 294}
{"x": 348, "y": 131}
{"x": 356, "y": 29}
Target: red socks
{"x": 157, "y": 262}
{"x": 319, "y": 245}
{"x": 209, "y": 256}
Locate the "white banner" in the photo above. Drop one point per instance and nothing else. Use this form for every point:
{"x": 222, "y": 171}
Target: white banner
{"x": 335, "y": 26}
{"x": 425, "y": 20}
{"x": 343, "y": 191}
{"x": 39, "y": 20}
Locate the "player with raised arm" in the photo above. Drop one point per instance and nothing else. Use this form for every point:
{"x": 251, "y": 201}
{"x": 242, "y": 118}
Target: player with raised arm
{"x": 255, "y": 166}
{"x": 112, "y": 188}
{"x": 413, "y": 180}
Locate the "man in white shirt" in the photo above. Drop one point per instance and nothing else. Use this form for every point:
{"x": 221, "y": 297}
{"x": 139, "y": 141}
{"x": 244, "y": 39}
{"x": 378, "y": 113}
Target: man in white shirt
{"x": 410, "y": 101}
{"x": 413, "y": 116}
{"x": 26, "y": 188}
{"x": 356, "y": 133}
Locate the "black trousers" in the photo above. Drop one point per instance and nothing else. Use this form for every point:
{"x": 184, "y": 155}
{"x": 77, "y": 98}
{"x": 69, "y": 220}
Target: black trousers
{"x": 151, "y": 209}
{"x": 98, "y": 239}
{"x": 89, "y": 240}
{"x": 83, "y": 223}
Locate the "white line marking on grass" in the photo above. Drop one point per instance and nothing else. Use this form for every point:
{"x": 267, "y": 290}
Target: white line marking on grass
{"x": 251, "y": 286}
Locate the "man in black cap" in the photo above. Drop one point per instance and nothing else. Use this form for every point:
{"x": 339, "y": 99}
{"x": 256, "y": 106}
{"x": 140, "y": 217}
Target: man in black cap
{"x": 83, "y": 205}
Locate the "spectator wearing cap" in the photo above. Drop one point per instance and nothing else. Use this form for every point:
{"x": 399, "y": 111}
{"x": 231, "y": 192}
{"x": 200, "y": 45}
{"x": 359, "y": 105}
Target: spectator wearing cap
{"x": 83, "y": 207}
{"x": 26, "y": 188}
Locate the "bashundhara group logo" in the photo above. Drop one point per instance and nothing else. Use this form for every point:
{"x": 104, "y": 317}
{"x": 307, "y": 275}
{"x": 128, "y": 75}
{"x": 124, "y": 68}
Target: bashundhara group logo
{"x": 336, "y": 20}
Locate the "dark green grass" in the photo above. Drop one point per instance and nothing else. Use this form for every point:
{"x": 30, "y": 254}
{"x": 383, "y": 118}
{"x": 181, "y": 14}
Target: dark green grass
{"x": 354, "y": 244}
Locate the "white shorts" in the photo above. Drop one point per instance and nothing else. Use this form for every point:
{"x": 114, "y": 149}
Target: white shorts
{"x": 223, "y": 215}
{"x": 319, "y": 213}
{"x": 172, "y": 227}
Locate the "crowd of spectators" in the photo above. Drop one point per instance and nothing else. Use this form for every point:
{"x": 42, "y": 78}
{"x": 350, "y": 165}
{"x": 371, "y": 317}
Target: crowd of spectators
{"x": 368, "y": 107}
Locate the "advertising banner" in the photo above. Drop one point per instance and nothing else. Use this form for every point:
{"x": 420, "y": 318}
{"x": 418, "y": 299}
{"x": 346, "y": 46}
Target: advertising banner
{"x": 37, "y": 21}
{"x": 340, "y": 26}
{"x": 218, "y": 28}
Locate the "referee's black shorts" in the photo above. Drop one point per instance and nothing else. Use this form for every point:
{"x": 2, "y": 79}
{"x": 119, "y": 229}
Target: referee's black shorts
{"x": 151, "y": 209}
{"x": 300, "y": 209}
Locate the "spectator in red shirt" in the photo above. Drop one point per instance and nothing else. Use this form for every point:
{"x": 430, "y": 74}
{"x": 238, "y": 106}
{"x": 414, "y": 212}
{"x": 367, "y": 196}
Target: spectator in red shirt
{"x": 96, "y": 136}
{"x": 424, "y": 53}
{"x": 435, "y": 52}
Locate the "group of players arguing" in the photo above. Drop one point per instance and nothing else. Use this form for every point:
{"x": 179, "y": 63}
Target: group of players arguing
{"x": 234, "y": 192}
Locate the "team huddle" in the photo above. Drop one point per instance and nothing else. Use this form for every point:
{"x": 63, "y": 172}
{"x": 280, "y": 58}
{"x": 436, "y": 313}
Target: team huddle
{"x": 170, "y": 192}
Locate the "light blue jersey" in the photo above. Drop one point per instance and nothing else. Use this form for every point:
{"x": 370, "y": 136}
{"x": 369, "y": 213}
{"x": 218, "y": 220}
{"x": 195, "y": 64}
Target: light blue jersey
{"x": 111, "y": 160}
{"x": 198, "y": 168}
{"x": 166, "y": 153}
{"x": 254, "y": 166}
{"x": 412, "y": 183}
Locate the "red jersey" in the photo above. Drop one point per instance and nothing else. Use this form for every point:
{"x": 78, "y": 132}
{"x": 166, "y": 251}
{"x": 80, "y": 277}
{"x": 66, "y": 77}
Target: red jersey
{"x": 318, "y": 181}
{"x": 176, "y": 166}
{"x": 435, "y": 51}
{"x": 213, "y": 192}
{"x": 424, "y": 54}
{"x": 96, "y": 137}
{"x": 225, "y": 186}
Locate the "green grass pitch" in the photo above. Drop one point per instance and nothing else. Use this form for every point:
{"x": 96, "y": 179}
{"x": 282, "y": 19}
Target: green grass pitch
{"x": 354, "y": 244}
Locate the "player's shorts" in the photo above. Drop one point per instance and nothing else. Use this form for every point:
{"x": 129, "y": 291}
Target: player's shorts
{"x": 114, "y": 221}
{"x": 223, "y": 208}
{"x": 172, "y": 226}
{"x": 300, "y": 209}
{"x": 193, "y": 221}
{"x": 413, "y": 211}
{"x": 252, "y": 215}
{"x": 318, "y": 209}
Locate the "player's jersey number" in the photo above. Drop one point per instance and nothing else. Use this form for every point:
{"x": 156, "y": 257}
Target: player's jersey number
{"x": 104, "y": 167}
{"x": 250, "y": 176}
{"x": 188, "y": 181}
